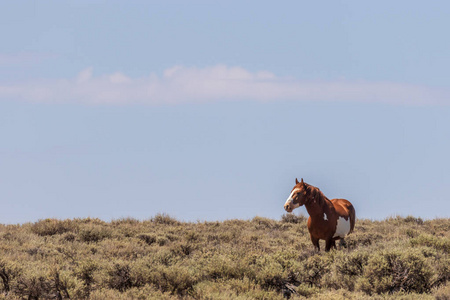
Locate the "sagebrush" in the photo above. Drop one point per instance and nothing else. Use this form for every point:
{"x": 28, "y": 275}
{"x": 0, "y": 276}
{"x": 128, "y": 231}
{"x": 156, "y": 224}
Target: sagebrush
{"x": 163, "y": 258}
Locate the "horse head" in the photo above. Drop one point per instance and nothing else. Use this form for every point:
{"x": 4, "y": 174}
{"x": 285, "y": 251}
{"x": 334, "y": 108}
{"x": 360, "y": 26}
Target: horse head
{"x": 297, "y": 197}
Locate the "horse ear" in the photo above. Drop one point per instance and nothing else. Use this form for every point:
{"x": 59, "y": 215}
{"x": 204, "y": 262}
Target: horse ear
{"x": 302, "y": 183}
{"x": 296, "y": 181}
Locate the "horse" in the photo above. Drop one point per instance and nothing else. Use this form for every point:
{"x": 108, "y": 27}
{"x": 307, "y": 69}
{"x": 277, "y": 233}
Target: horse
{"x": 329, "y": 220}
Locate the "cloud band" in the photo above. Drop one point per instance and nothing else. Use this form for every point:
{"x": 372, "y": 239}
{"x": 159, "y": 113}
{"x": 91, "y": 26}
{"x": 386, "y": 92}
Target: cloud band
{"x": 216, "y": 83}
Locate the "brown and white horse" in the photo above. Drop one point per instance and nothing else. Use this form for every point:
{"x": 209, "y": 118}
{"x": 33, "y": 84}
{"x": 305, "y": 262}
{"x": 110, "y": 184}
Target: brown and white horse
{"x": 329, "y": 220}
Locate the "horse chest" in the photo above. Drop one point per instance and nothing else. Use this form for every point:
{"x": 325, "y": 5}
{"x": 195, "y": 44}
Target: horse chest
{"x": 320, "y": 228}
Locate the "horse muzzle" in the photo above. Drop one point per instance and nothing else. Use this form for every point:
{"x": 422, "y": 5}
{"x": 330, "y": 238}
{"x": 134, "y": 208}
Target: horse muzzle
{"x": 288, "y": 208}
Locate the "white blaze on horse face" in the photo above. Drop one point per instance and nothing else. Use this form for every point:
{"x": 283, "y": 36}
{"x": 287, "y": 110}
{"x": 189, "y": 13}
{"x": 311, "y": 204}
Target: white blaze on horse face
{"x": 290, "y": 201}
{"x": 342, "y": 228}
{"x": 325, "y": 217}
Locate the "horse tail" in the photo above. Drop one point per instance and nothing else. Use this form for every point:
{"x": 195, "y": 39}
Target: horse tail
{"x": 352, "y": 214}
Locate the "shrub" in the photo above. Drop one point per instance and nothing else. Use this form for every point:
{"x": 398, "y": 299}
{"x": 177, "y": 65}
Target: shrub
{"x": 94, "y": 233}
{"x": 291, "y": 218}
{"x": 164, "y": 219}
{"x": 162, "y": 240}
{"x": 411, "y": 233}
{"x": 85, "y": 272}
{"x": 147, "y": 238}
{"x": 352, "y": 264}
{"x": 443, "y": 293}
{"x": 119, "y": 277}
{"x": 411, "y": 219}
{"x": 314, "y": 268}
{"x": 234, "y": 259}
{"x": 307, "y": 290}
{"x": 345, "y": 270}
{"x": 125, "y": 221}
{"x": 232, "y": 289}
{"x": 392, "y": 271}
{"x": 359, "y": 239}
{"x": 271, "y": 276}
{"x": 33, "y": 287}
{"x": 263, "y": 223}
{"x": 178, "y": 280}
{"x": 59, "y": 284}
{"x": 8, "y": 272}
{"x": 52, "y": 227}
{"x": 192, "y": 236}
{"x": 182, "y": 249}
{"x": 442, "y": 274}
{"x": 68, "y": 237}
{"x": 432, "y": 241}
{"x": 140, "y": 293}
{"x": 227, "y": 267}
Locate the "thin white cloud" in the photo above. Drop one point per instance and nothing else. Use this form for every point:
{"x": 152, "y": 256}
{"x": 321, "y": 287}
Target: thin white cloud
{"x": 217, "y": 83}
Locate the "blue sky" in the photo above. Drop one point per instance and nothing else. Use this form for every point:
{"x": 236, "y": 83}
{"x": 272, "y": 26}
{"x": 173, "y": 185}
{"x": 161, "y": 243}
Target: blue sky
{"x": 209, "y": 111}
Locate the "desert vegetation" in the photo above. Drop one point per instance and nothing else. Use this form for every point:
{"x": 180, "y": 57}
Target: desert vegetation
{"x": 163, "y": 258}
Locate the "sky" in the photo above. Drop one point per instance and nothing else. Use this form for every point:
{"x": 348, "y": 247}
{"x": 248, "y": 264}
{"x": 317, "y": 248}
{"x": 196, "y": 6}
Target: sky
{"x": 210, "y": 110}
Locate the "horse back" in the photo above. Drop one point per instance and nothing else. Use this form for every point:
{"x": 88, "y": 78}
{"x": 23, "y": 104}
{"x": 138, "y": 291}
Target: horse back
{"x": 346, "y": 210}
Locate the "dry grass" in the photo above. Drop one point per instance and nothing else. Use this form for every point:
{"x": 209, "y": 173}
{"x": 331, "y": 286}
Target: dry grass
{"x": 163, "y": 258}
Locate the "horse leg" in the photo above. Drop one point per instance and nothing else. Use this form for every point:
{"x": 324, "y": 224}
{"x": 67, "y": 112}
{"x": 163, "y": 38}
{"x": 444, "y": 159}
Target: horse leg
{"x": 333, "y": 244}
{"x": 329, "y": 243}
{"x": 342, "y": 244}
{"x": 315, "y": 242}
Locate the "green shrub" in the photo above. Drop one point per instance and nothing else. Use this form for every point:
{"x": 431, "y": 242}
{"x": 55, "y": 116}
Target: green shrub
{"x": 443, "y": 293}
{"x": 352, "y": 264}
{"x": 34, "y": 285}
{"x": 226, "y": 266}
{"x": 392, "y": 271}
{"x": 442, "y": 272}
{"x": 399, "y": 258}
{"x": 177, "y": 279}
{"x": 119, "y": 277}
{"x": 306, "y": 290}
{"x": 8, "y": 272}
{"x": 263, "y": 223}
{"x": 164, "y": 219}
{"x": 94, "y": 233}
{"x": 162, "y": 240}
{"x": 147, "y": 238}
{"x": 125, "y": 221}
{"x": 411, "y": 219}
{"x": 232, "y": 289}
{"x": 140, "y": 293}
{"x": 292, "y": 218}
{"x": 52, "y": 227}
{"x": 314, "y": 268}
{"x": 358, "y": 239}
{"x": 85, "y": 272}
{"x": 68, "y": 237}
{"x": 182, "y": 249}
{"x": 411, "y": 233}
{"x": 192, "y": 236}
{"x": 60, "y": 283}
{"x": 165, "y": 257}
{"x": 432, "y": 241}
{"x": 271, "y": 276}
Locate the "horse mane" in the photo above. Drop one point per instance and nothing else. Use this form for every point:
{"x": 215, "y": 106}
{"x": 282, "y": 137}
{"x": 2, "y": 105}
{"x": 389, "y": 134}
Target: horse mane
{"x": 314, "y": 193}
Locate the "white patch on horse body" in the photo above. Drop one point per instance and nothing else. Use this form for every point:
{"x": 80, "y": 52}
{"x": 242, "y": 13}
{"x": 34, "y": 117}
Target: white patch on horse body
{"x": 325, "y": 217}
{"x": 290, "y": 201}
{"x": 342, "y": 228}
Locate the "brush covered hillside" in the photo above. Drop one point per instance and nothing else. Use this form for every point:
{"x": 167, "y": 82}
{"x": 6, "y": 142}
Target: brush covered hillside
{"x": 163, "y": 258}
